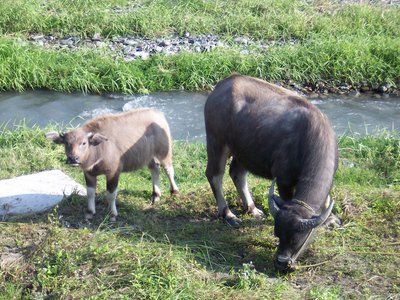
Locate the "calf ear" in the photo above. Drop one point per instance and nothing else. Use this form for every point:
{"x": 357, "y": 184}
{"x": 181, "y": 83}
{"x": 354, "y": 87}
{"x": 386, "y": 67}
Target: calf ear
{"x": 55, "y": 137}
{"x": 97, "y": 138}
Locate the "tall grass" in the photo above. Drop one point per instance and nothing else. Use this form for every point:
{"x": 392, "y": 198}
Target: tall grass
{"x": 262, "y": 19}
{"x": 370, "y": 159}
{"x": 348, "y": 60}
{"x": 334, "y": 43}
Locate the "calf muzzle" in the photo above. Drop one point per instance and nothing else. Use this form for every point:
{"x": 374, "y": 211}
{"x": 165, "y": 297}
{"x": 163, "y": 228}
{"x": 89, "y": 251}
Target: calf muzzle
{"x": 73, "y": 160}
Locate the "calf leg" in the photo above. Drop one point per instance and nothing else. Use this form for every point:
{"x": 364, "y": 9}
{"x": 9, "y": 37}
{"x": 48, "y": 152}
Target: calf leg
{"x": 173, "y": 188}
{"x": 239, "y": 178}
{"x": 155, "y": 178}
{"x": 217, "y": 156}
{"x": 111, "y": 196}
{"x": 91, "y": 182}
{"x": 169, "y": 170}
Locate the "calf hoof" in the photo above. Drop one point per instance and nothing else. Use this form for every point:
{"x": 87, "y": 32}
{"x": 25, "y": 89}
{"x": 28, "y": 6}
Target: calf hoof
{"x": 113, "y": 218}
{"x": 89, "y": 215}
{"x": 257, "y": 213}
{"x": 174, "y": 192}
{"x": 155, "y": 198}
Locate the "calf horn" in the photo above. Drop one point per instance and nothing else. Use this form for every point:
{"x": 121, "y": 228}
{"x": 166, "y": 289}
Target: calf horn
{"x": 274, "y": 202}
{"x": 307, "y": 224}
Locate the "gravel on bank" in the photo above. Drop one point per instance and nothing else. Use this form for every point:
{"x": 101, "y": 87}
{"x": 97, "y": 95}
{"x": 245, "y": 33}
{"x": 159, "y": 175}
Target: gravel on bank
{"x": 135, "y": 48}
{"x": 131, "y": 48}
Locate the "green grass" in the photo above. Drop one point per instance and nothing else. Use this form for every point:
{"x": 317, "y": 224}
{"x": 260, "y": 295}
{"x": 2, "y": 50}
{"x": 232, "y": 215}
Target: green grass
{"x": 179, "y": 249}
{"x": 333, "y": 61}
{"x": 334, "y": 44}
{"x": 255, "y": 18}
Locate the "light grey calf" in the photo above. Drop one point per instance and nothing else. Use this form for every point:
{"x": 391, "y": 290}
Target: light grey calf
{"x": 111, "y": 144}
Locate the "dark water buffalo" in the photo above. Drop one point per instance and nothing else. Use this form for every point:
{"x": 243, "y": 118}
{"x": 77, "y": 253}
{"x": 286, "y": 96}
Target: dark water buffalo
{"x": 273, "y": 133}
{"x": 111, "y": 144}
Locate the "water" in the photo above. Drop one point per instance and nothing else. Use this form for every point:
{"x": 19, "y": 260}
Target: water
{"x": 183, "y": 110}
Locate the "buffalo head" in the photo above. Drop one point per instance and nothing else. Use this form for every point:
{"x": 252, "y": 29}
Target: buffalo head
{"x": 295, "y": 223}
{"x": 77, "y": 144}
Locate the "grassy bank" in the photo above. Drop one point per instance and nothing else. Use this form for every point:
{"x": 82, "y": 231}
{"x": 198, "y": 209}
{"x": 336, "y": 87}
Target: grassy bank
{"x": 255, "y": 18}
{"x": 333, "y": 61}
{"x": 179, "y": 249}
{"x": 334, "y": 44}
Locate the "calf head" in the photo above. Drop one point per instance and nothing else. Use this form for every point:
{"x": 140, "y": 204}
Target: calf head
{"x": 77, "y": 144}
{"x": 294, "y": 226}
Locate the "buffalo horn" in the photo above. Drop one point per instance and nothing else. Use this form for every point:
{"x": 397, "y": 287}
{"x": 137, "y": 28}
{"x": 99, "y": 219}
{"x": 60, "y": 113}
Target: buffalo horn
{"x": 273, "y": 201}
{"x": 307, "y": 224}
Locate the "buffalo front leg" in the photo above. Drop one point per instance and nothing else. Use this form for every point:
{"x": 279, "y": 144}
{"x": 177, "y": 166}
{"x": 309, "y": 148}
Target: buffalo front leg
{"x": 239, "y": 178}
{"x": 111, "y": 196}
{"x": 217, "y": 157}
{"x": 91, "y": 182}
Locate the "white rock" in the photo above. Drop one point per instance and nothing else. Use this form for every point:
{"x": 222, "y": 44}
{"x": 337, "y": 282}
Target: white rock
{"x": 36, "y": 192}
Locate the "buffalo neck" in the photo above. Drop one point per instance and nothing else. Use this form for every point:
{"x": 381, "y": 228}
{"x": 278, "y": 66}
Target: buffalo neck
{"x": 319, "y": 161}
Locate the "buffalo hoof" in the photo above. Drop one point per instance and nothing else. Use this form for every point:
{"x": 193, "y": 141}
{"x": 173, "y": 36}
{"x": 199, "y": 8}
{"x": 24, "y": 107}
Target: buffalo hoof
{"x": 233, "y": 221}
{"x": 230, "y": 217}
{"x": 257, "y": 213}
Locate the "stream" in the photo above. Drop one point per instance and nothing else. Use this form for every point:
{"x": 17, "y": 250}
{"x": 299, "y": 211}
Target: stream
{"x": 184, "y": 110}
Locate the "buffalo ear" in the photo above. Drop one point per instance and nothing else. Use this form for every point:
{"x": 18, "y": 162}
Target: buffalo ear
{"x": 96, "y": 138}
{"x": 55, "y": 137}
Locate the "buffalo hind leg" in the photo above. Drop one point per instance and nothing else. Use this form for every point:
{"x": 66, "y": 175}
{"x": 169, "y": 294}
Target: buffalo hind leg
{"x": 154, "y": 167}
{"x": 169, "y": 170}
{"x": 111, "y": 196}
{"x": 91, "y": 182}
{"x": 239, "y": 178}
{"x": 217, "y": 157}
